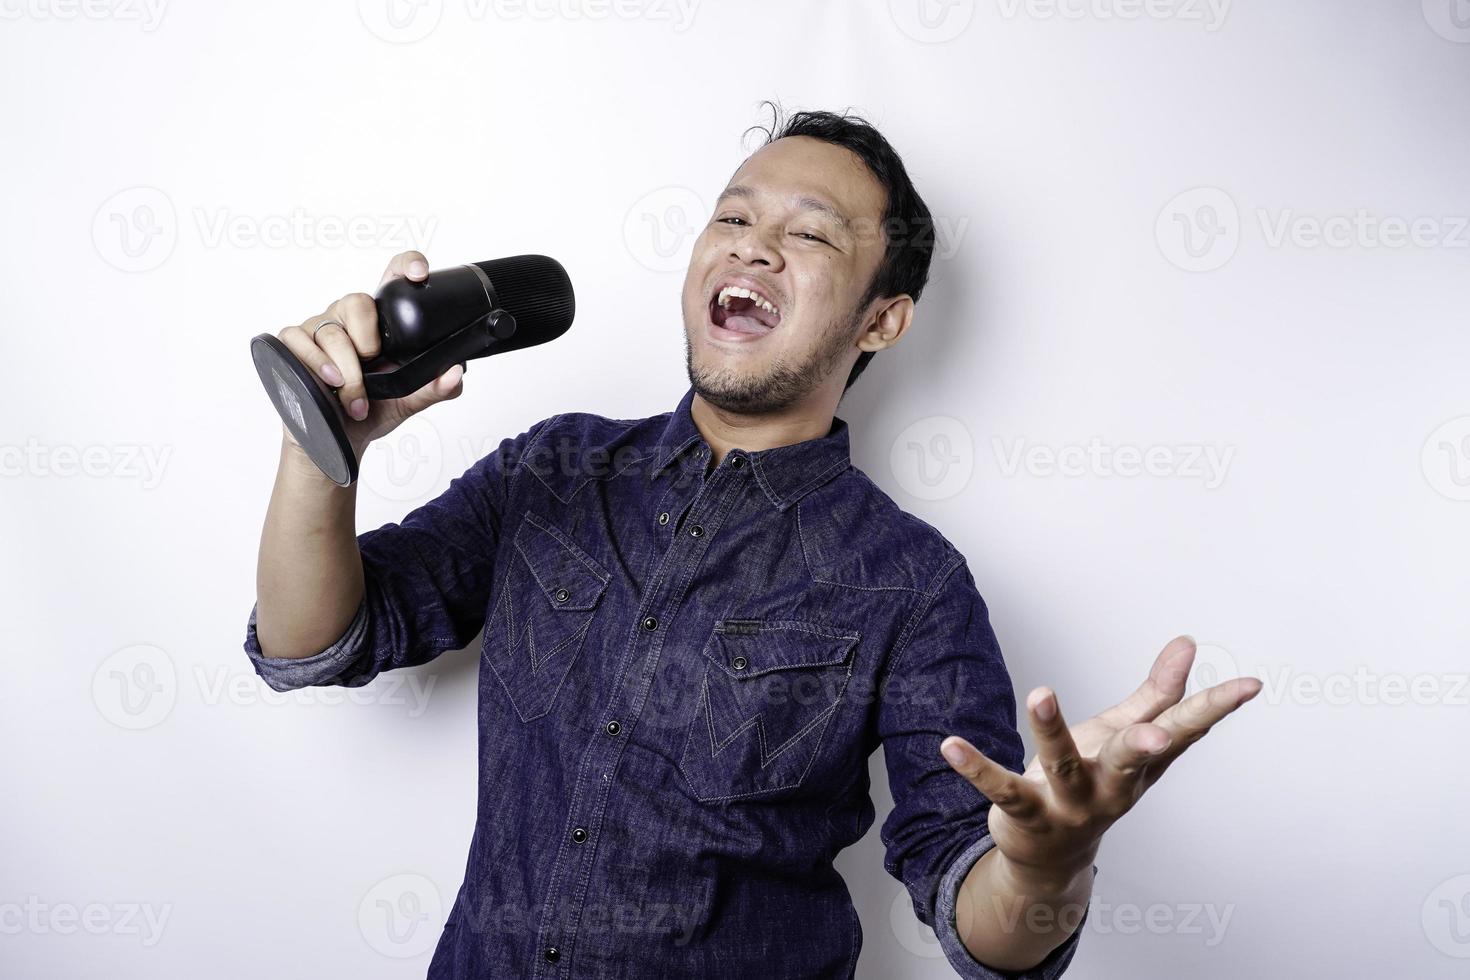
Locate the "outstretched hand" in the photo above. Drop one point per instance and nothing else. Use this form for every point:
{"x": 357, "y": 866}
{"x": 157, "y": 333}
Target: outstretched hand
{"x": 1050, "y": 819}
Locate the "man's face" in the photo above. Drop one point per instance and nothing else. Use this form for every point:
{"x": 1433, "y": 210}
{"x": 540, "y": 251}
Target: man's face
{"x": 799, "y": 225}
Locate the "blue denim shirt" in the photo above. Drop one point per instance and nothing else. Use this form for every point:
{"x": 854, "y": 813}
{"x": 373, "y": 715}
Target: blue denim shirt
{"x": 684, "y": 670}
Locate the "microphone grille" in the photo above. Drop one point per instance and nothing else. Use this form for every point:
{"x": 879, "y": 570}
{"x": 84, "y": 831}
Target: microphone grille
{"x": 538, "y": 293}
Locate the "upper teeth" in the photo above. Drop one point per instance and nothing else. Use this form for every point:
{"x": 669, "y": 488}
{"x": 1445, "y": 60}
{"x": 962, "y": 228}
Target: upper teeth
{"x": 730, "y": 292}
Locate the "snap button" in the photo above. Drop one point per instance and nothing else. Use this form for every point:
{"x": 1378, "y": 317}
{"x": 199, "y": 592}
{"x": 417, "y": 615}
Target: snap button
{"x": 696, "y": 531}
{"x": 737, "y": 462}
{"x": 663, "y": 518}
{"x": 552, "y": 954}
{"x": 613, "y": 728}
{"x": 562, "y": 595}
{"x": 579, "y": 835}
{"x": 739, "y": 663}
{"x": 650, "y": 624}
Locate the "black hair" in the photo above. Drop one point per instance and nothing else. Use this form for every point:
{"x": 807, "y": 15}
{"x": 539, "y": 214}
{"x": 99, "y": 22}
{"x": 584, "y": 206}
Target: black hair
{"x": 908, "y": 227}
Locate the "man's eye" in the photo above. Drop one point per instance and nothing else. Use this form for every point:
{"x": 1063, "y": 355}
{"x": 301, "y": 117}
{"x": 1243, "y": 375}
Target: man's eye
{"x": 729, "y": 220}
{"x": 811, "y": 237}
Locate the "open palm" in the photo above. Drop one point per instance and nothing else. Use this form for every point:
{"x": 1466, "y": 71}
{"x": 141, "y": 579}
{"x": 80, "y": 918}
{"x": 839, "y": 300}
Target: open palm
{"x": 1083, "y": 778}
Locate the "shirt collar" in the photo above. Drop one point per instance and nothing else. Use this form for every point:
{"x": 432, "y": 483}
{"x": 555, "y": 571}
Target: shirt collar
{"x": 785, "y": 473}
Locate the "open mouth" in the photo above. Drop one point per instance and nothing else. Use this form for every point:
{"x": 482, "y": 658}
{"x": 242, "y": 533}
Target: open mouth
{"x": 742, "y": 310}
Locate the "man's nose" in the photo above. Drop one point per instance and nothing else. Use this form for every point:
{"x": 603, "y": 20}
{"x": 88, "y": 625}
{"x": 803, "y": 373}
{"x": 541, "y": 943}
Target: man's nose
{"x": 754, "y": 248}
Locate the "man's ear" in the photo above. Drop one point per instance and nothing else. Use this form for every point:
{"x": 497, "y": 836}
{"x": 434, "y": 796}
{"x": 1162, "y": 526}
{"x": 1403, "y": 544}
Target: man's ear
{"x": 888, "y": 322}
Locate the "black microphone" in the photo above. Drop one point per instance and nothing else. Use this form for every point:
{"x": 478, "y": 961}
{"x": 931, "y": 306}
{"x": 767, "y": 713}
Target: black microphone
{"x": 453, "y": 316}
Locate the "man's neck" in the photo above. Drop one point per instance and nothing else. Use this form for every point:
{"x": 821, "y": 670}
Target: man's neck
{"x": 810, "y": 418}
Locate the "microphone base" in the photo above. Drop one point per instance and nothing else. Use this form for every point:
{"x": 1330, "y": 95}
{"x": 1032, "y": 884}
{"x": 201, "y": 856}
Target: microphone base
{"x": 310, "y": 412}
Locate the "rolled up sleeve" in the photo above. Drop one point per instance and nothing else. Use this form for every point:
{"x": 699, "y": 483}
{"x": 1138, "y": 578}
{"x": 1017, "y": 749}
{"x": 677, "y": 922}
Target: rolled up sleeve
{"x": 426, "y": 579}
{"x": 947, "y": 677}
{"x": 327, "y": 667}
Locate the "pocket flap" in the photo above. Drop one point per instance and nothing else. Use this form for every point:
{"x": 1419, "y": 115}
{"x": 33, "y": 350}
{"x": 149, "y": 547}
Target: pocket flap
{"x": 750, "y": 647}
{"x": 568, "y": 577}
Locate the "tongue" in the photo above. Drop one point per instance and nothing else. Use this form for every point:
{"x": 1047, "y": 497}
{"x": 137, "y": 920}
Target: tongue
{"x": 744, "y": 323}
{"x": 744, "y": 316}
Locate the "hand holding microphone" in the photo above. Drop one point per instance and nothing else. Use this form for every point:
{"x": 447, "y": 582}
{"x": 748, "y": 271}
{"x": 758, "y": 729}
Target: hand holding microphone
{"x": 334, "y": 343}
{"x": 355, "y": 371}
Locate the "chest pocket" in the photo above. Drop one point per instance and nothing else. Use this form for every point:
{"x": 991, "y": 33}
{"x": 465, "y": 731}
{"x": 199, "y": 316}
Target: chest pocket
{"x": 768, "y": 697}
{"x": 547, "y": 601}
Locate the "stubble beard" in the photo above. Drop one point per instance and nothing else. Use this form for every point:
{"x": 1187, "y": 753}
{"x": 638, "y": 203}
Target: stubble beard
{"x": 781, "y": 385}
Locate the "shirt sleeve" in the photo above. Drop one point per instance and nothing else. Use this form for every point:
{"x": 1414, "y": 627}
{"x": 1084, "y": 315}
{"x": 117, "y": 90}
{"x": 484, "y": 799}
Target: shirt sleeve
{"x": 426, "y": 582}
{"x": 947, "y": 677}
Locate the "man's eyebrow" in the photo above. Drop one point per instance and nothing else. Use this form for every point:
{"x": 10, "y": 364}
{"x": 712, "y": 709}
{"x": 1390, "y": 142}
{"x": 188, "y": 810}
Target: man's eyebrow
{"x": 805, "y": 203}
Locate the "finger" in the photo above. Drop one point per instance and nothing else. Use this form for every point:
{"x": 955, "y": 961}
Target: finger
{"x": 358, "y": 314}
{"x": 407, "y": 265}
{"x": 332, "y": 338}
{"x": 349, "y": 334}
{"x": 1191, "y": 719}
{"x": 298, "y": 342}
{"x": 1121, "y": 763}
{"x": 1055, "y": 749}
{"x": 1008, "y": 790}
{"x": 447, "y": 386}
{"x": 1162, "y": 689}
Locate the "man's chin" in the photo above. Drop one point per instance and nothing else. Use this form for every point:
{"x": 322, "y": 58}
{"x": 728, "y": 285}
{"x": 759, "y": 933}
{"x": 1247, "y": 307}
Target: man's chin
{"x": 745, "y": 392}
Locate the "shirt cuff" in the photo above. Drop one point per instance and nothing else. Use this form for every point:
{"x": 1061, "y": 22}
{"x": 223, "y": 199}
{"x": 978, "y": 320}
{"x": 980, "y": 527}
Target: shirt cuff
{"x": 327, "y": 667}
{"x": 954, "y": 948}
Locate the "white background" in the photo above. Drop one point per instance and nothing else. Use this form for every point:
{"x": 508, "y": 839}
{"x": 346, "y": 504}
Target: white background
{"x": 177, "y": 179}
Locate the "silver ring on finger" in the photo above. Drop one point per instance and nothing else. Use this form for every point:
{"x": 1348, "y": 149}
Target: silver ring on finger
{"x": 319, "y": 326}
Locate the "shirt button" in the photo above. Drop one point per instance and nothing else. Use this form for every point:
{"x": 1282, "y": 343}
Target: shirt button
{"x": 650, "y": 624}
{"x": 737, "y": 462}
{"x": 562, "y": 595}
{"x": 552, "y": 954}
{"x": 663, "y": 518}
{"x": 739, "y": 663}
{"x": 696, "y": 531}
{"x": 613, "y": 728}
{"x": 579, "y": 835}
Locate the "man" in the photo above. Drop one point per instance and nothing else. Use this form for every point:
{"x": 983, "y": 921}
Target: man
{"x": 697, "y": 627}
